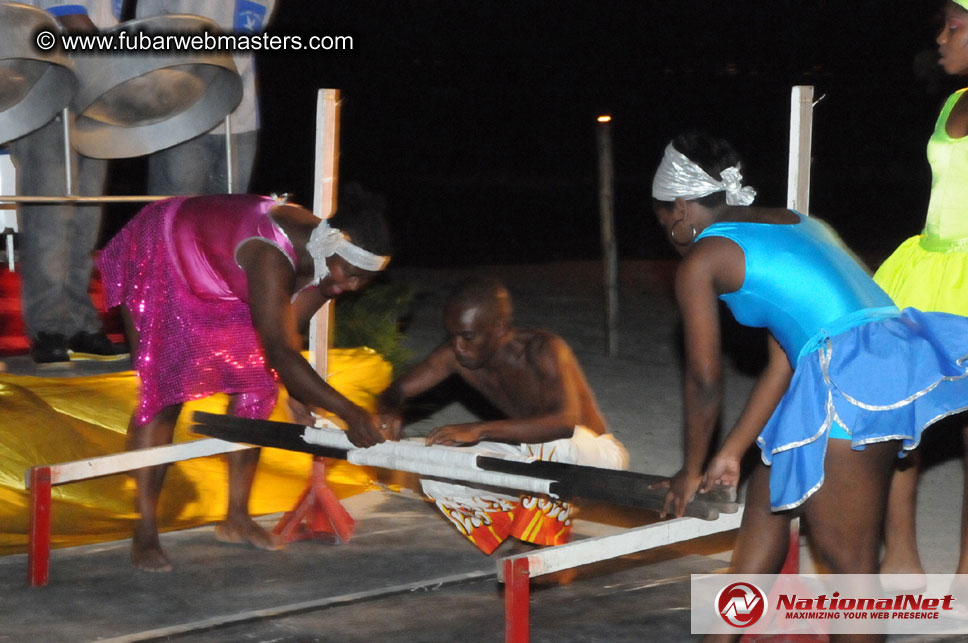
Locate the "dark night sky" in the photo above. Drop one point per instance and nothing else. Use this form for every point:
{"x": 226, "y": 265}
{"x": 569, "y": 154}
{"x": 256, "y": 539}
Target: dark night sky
{"x": 476, "y": 119}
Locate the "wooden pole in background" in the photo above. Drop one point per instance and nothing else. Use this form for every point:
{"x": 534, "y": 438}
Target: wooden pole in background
{"x": 324, "y": 205}
{"x": 606, "y": 211}
{"x": 801, "y": 135}
{"x": 798, "y": 198}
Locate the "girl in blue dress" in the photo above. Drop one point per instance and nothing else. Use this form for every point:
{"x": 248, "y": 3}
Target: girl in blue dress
{"x": 851, "y": 381}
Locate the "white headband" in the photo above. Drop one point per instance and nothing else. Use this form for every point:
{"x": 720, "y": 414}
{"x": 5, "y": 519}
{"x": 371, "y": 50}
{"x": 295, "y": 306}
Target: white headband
{"x": 678, "y": 176}
{"x": 326, "y": 241}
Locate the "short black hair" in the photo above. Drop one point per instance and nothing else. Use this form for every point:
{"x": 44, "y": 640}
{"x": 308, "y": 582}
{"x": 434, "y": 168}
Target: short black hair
{"x": 359, "y": 215}
{"x": 482, "y": 290}
{"x": 712, "y": 154}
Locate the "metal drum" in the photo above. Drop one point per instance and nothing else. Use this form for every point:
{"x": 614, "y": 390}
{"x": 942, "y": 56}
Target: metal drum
{"x": 34, "y": 85}
{"x": 131, "y": 103}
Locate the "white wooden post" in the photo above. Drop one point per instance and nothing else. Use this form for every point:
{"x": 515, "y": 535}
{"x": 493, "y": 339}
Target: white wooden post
{"x": 801, "y": 134}
{"x": 324, "y": 204}
{"x": 798, "y": 198}
{"x": 8, "y": 211}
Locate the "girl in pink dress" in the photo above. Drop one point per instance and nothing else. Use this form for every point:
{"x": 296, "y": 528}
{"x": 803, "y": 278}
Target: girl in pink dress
{"x": 214, "y": 291}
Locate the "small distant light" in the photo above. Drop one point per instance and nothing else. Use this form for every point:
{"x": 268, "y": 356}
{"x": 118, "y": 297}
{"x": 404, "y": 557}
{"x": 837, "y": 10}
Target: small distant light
{"x": 604, "y": 118}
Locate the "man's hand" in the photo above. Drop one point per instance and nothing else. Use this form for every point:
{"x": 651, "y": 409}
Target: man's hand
{"x": 455, "y": 434}
{"x": 391, "y": 424}
{"x": 682, "y": 488}
{"x": 363, "y": 429}
{"x": 723, "y": 470}
{"x": 299, "y": 413}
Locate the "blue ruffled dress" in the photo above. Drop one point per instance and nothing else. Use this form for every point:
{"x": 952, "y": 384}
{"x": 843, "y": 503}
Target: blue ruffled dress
{"x": 859, "y": 362}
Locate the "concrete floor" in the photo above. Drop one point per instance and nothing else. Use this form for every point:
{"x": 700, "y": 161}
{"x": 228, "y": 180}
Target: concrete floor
{"x": 404, "y": 575}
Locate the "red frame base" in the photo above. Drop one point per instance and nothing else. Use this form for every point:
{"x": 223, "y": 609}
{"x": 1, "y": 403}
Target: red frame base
{"x": 318, "y": 514}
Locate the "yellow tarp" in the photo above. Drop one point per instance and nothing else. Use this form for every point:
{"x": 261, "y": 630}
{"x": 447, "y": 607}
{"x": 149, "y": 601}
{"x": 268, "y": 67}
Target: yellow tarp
{"x": 54, "y": 420}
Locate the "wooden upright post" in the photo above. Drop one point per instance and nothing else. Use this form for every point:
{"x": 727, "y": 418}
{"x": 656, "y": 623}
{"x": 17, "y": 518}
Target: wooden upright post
{"x": 801, "y": 135}
{"x": 324, "y": 205}
{"x": 318, "y": 513}
{"x": 798, "y": 198}
{"x": 606, "y": 210}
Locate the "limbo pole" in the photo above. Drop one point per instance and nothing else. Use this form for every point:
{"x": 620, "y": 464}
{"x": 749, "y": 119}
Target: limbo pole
{"x": 554, "y": 479}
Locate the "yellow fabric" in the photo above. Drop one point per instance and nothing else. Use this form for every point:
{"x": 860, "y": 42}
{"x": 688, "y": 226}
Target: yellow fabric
{"x": 55, "y": 420}
{"x": 929, "y": 281}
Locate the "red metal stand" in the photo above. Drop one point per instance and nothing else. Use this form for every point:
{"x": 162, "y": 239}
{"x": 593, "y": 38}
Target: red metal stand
{"x": 318, "y": 514}
{"x": 517, "y": 600}
{"x": 38, "y": 533}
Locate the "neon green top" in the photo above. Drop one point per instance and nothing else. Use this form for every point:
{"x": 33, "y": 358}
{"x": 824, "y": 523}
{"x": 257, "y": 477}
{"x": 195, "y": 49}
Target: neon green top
{"x": 947, "y": 219}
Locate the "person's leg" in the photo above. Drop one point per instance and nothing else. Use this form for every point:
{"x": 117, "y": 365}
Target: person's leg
{"x": 182, "y": 169}
{"x": 763, "y": 539}
{"x": 764, "y": 536}
{"x": 900, "y": 533}
{"x": 244, "y": 147}
{"x": 83, "y": 229}
{"x": 198, "y": 166}
{"x": 239, "y": 526}
{"x": 963, "y": 559}
{"x": 146, "y": 552}
{"x": 846, "y": 515}
{"x": 44, "y": 243}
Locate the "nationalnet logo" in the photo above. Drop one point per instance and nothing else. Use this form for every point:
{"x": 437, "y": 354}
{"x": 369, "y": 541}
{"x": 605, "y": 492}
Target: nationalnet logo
{"x": 741, "y": 604}
{"x": 829, "y": 604}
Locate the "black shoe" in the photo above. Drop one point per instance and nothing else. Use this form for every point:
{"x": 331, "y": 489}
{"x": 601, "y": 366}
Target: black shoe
{"x": 93, "y": 344}
{"x": 48, "y": 348}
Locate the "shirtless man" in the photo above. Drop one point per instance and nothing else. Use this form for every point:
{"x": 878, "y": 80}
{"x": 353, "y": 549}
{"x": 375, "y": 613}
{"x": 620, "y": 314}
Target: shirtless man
{"x": 533, "y": 378}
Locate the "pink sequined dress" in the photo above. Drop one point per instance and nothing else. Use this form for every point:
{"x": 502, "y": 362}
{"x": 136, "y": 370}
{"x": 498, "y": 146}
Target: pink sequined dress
{"x": 173, "y": 267}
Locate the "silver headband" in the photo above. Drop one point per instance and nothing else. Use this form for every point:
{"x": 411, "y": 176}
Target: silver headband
{"x": 679, "y": 177}
{"x": 326, "y": 241}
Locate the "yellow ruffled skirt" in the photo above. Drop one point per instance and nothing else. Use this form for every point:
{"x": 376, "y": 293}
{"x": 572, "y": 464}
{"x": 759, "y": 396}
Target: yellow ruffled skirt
{"x": 932, "y": 277}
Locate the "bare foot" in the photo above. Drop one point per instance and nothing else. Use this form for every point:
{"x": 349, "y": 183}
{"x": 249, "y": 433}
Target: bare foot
{"x": 249, "y": 532}
{"x": 147, "y": 555}
{"x": 903, "y": 574}
{"x": 908, "y": 565}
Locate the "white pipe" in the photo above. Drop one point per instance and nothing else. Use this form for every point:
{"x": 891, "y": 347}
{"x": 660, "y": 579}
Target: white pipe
{"x": 13, "y": 198}
{"x": 129, "y": 460}
{"x": 229, "y": 178}
{"x": 68, "y": 161}
{"x": 593, "y": 550}
{"x": 440, "y": 461}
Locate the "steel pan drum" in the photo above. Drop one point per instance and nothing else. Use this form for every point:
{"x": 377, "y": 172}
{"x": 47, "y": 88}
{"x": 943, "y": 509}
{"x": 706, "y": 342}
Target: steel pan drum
{"x": 34, "y": 85}
{"x": 135, "y": 103}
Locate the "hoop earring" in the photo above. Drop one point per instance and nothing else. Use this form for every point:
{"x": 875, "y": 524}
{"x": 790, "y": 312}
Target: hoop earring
{"x": 672, "y": 233}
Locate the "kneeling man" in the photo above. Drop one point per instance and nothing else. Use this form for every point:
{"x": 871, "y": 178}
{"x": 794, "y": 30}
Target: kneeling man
{"x": 533, "y": 378}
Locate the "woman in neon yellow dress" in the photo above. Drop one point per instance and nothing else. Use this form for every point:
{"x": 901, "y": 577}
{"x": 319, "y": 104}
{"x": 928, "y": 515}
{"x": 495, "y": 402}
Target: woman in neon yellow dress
{"x": 930, "y": 271}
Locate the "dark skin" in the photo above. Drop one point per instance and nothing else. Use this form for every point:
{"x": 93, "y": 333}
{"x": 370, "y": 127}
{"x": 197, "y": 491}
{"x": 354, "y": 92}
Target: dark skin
{"x": 529, "y": 375}
{"x": 900, "y": 533}
{"x": 847, "y": 540}
{"x": 277, "y": 319}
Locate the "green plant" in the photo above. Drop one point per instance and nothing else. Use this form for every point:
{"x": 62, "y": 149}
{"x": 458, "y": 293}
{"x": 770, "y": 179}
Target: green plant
{"x": 374, "y": 317}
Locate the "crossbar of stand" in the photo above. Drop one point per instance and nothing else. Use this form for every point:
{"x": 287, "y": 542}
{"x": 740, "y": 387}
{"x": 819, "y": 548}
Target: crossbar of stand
{"x": 516, "y": 571}
{"x": 41, "y": 479}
